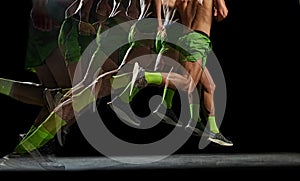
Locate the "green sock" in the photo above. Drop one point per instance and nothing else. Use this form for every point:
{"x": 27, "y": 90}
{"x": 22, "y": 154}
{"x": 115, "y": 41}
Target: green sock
{"x": 212, "y": 124}
{"x": 120, "y": 81}
{"x": 124, "y": 96}
{"x": 34, "y": 140}
{"x": 5, "y": 86}
{"x": 153, "y": 78}
{"x": 31, "y": 130}
{"x": 168, "y": 97}
{"x": 82, "y": 99}
{"x": 42, "y": 134}
{"x": 194, "y": 111}
{"x": 134, "y": 92}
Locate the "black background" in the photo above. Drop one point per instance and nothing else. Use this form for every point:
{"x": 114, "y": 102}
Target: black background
{"x": 258, "y": 49}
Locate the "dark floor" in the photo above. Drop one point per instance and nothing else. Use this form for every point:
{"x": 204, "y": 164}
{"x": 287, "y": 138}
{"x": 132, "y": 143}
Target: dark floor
{"x": 261, "y": 124}
{"x": 177, "y": 161}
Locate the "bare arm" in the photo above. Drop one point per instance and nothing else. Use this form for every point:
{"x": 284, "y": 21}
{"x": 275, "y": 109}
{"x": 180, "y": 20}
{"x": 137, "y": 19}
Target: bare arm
{"x": 158, "y": 5}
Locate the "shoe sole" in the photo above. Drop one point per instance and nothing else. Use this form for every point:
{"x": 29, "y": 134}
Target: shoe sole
{"x": 222, "y": 143}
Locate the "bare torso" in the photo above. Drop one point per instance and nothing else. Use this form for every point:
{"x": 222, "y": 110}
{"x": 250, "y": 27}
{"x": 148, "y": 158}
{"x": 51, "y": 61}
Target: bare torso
{"x": 193, "y": 15}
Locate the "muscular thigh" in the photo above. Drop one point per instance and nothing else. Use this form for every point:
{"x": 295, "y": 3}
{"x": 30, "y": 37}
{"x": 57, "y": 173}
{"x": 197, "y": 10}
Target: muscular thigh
{"x": 194, "y": 70}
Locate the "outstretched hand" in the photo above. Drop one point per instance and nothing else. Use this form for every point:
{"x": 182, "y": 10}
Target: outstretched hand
{"x": 220, "y": 10}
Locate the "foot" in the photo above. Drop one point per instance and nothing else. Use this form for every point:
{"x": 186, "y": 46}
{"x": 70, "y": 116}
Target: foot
{"x": 220, "y": 139}
{"x": 123, "y": 112}
{"x": 167, "y": 115}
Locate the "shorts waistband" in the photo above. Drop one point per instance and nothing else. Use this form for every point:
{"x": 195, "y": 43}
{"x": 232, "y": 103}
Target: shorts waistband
{"x": 201, "y": 32}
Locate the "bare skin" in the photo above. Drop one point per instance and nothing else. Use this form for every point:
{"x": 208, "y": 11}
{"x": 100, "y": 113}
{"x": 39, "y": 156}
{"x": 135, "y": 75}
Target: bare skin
{"x": 63, "y": 115}
{"x": 85, "y": 28}
{"x": 100, "y": 86}
{"x": 51, "y": 74}
{"x": 110, "y": 67}
{"x": 194, "y": 69}
{"x": 197, "y": 17}
{"x": 66, "y": 108}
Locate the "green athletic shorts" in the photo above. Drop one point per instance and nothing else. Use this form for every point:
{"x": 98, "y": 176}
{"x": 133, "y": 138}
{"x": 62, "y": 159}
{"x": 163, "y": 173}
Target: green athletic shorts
{"x": 71, "y": 44}
{"x": 39, "y": 46}
{"x": 115, "y": 39}
{"x": 194, "y": 46}
{"x": 167, "y": 39}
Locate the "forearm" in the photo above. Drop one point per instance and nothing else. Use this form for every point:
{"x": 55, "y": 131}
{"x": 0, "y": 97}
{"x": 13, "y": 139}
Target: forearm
{"x": 158, "y": 7}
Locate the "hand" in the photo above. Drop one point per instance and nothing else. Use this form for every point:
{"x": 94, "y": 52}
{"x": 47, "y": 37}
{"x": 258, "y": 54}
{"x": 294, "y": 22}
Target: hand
{"x": 220, "y": 10}
{"x": 86, "y": 29}
{"x": 159, "y": 27}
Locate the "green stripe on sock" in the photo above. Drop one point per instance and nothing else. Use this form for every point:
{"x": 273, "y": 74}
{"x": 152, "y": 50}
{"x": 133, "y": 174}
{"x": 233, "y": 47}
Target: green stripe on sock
{"x": 124, "y": 96}
{"x": 168, "y": 97}
{"x": 5, "y": 86}
{"x": 194, "y": 111}
{"x": 153, "y": 78}
{"x": 54, "y": 123}
{"x": 42, "y": 134}
{"x": 134, "y": 92}
{"x": 212, "y": 124}
{"x": 31, "y": 130}
{"x": 81, "y": 100}
{"x": 34, "y": 141}
{"x": 120, "y": 81}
